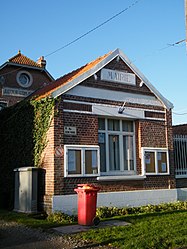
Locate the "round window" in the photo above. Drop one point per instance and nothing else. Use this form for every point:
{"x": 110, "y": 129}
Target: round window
{"x": 24, "y": 79}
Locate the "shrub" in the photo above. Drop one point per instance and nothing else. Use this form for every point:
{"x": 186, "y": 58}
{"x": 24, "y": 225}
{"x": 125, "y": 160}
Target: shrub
{"x": 59, "y": 217}
{"x": 107, "y": 212}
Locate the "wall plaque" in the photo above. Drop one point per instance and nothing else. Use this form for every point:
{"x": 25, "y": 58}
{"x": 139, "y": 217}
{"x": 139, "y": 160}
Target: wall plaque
{"x": 118, "y": 76}
{"x": 70, "y": 130}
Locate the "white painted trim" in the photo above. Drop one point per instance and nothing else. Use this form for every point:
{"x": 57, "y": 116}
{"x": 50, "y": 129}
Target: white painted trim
{"x": 100, "y": 65}
{"x": 97, "y": 93}
{"x": 132, "y": 111}
{"x": 165, "y": 102}
{"x": 180, "y": 176}
{"x": 158, "y": 119}
{"x": 154, "y": 149}
{"x": 113, "y": 111}
{"x": 120, "y": 177}
{"x": 100, "y": 104}
{"x": 68, "y": 203}
{"x": 120, "y": 134}
{"x": 77, "y": 111}
{"x": 82, "y": 148}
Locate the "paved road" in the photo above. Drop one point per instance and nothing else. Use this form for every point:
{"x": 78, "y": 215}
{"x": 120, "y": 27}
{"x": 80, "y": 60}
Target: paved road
{"x": 16, "y": 236}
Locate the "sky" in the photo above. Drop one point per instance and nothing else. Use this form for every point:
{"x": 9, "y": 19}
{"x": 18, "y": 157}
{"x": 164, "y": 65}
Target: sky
{"x": 146, "y": 32}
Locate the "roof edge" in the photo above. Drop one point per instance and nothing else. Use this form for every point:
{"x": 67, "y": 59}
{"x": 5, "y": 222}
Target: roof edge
{"x": 117, "y": 52}
{"x": 26, "y": 66}
{"x": 165, "y": 101}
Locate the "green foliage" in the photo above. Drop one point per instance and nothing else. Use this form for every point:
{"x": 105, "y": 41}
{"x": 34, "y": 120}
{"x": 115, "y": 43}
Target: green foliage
{"x": 43, "y": 110}
{"x": 16, "y": 148}
{"x": 147, "y": 231}
{"x": 59, "y": 217}
{"x": 107, "y": 212}
{"x": 23, "y": 129}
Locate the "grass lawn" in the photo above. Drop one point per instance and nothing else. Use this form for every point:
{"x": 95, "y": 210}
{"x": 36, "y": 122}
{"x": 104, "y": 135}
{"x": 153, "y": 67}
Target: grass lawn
{"x": 163, "y": 230}
{"x": 27, "y": 219}
{"x": 153, "y": 230}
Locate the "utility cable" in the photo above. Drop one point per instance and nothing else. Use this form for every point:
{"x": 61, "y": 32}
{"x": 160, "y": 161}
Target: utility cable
{"x": 95, "y": 28}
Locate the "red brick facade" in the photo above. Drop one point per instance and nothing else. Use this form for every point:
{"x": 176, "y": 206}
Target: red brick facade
{"x": 9, "y": 74}
{"x": 154, "y": 131}
{"x": 180, "y": 129}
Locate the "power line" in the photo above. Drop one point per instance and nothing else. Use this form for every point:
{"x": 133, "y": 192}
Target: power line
{"x": 180, "y": 114}
{"x": 85, "y": 34}
{"x": 173, "y": 44}
{"x": 95, "y": 28}
{"x": 15, "y": 70}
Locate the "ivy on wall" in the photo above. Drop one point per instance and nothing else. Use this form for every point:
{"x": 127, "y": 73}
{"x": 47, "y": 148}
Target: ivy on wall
{"x": 43, "y": 114}
{"x": 23, "y": 136}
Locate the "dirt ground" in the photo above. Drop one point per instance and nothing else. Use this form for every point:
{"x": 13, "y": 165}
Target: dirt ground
{"x": 16, "y": 236}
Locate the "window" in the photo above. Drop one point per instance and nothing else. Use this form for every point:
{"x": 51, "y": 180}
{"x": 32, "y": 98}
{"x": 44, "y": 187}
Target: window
{"x": 3, "y": 105}
{"x": 24, "y": 79}
{"x": 116, "y": 142}
{"x": 155, "y": 161}
{"x": 81, "y": 160}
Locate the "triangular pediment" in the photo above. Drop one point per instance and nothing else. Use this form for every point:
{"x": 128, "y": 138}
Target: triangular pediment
{"x": 71, "y": 80}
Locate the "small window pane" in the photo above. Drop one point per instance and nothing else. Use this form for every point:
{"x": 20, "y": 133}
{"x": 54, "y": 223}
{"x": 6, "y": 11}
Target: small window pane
{"x": 102, "y": 145}
{"x": 74, "y": 162}
{"x": 127, "y": 126}
{"x": 128, "y": 153}
{"x": 101, "y": 124}
{"x": 162, "y": 162}
{"x": 150, "y": 162}
{"x": 91, "y": 166}
{"x": 114, "y": 162}
{"x": 113, "y": 125}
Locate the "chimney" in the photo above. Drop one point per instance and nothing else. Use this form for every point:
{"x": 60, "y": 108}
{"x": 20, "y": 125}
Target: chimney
{"x": 41, "y": 62}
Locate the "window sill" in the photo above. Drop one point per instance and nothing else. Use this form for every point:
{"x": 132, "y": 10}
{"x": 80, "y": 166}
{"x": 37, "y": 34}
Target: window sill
{"x": 119, "y": 178}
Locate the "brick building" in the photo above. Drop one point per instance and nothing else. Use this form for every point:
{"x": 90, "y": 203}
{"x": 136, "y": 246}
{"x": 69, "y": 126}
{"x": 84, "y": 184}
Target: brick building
{"x": 180, "y": 154}
{"x": 21, "y": 76}
{"x": 113, "y": 129}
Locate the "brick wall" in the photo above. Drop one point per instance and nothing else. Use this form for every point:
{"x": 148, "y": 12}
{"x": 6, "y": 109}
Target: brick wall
{"x": 39, "y": 78}
{"x": 87, "y": 128}
{"x": 48, "y": 165}
{"x": 181, "y": 183}
{"x": 149, "y": 133}
{"x": 180, "y": 129}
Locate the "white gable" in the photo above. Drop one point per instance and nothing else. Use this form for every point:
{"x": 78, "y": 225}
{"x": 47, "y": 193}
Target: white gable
{"x": 64, "y": 88}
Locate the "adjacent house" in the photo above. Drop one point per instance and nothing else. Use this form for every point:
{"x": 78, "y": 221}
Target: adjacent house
{"x": 21, "y": 76}
{"x": 112, "y": 128}
{"x": 180, "y": 154}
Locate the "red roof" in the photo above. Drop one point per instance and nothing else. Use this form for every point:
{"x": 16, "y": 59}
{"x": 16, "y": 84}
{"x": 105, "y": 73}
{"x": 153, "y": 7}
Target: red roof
{"x": 53, "y": 86}
{"x": 23, "y": 60}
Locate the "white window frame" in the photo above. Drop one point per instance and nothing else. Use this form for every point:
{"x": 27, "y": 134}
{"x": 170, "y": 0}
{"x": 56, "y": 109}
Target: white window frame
{"x": 82, "y": 148}
{"x": 3, "y": 102}
{"x": 120, "y": 133}
{"x": 156, "y": 151}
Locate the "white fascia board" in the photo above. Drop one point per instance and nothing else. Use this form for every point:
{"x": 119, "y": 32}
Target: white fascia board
{"x": 3, "y": 65}
{"x": 84, "y": 76}
{"x": 165, "y": 102}
{"x": 100, "y": 65}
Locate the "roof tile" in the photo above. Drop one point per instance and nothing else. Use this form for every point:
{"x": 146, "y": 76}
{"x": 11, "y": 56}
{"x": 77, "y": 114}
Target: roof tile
{"x": 23, "y": 60}
{"x": 48, "y": 89}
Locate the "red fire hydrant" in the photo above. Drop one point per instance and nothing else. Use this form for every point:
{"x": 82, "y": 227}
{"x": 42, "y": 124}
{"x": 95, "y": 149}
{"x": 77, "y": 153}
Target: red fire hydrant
{"x": 87, "y": 202}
